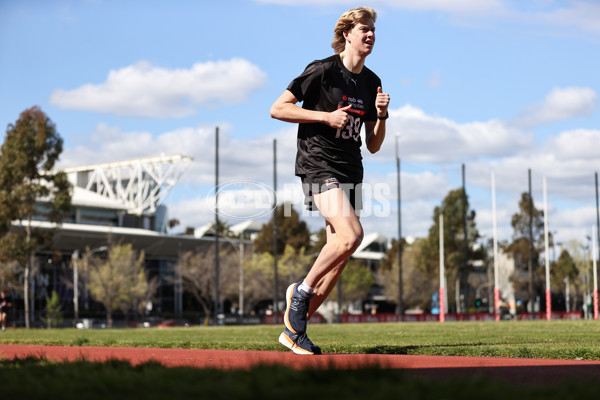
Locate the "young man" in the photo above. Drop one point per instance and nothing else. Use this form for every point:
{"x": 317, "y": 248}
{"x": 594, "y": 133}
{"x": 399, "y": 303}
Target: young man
{"x": 339, "y": 94}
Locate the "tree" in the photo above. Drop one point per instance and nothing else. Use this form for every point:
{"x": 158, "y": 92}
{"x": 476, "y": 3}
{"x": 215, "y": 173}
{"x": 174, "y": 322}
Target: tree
{"x": 9, "y": 274}
{"x": 454, "y": 241}
{"x": 417, "y": 285}
{"x": 292, "y": 266}
{"x": 356, "y": 281}
{"x": 564, "y": 267}
{"x": 118, "y": 281}
{"x": 520, "y": 247}
{"x": 29, "y": 187}
{"x": 197, "y": 271}
{"x": 54, "y": 315}
{"x": 290, "y": 231}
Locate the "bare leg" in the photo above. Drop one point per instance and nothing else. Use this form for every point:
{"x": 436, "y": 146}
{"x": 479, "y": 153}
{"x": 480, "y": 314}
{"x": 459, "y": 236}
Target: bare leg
{"x": 344, "y": 235}
{"x": 328, "y": 282}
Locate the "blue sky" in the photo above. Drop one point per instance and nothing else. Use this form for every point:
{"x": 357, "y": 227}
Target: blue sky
{"x": 497, "y": 85}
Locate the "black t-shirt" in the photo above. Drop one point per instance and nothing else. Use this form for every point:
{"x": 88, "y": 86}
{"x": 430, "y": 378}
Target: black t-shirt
{"x": 326, "y": 85}
{"x": 5, "y": 303}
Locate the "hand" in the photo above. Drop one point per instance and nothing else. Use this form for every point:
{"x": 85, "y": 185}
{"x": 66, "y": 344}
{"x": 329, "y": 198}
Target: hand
{"x": 337, "y": 119}
{"x": 382, "y": 102}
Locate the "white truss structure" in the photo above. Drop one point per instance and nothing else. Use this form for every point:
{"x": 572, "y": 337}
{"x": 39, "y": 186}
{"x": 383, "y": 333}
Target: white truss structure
{"x": 139, "y": 186}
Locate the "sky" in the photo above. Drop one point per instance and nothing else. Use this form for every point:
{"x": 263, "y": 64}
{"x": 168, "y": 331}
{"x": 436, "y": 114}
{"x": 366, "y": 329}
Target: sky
{"x": 500, "y": 86}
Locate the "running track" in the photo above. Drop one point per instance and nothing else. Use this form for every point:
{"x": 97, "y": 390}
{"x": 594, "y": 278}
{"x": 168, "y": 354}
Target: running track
{"x": 516, "y": 370}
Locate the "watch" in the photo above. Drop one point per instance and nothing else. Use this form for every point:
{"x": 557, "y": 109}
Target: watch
{"x": 387, "y": 115}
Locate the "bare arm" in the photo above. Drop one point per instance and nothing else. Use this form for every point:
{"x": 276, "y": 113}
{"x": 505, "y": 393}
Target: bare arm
{"x": 285, "y": 109}
{"x": 376, "y": 129}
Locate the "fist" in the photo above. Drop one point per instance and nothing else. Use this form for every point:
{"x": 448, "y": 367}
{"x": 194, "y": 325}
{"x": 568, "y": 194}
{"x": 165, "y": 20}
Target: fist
{"x": 339, "y": 117}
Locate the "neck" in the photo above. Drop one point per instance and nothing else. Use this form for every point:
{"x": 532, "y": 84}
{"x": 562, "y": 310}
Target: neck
{"x": 353, "y": 62}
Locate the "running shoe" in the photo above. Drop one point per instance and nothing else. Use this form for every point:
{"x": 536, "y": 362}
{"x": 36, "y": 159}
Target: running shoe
{"x": 298, "y": 343}
{"x": 296, "y": 308}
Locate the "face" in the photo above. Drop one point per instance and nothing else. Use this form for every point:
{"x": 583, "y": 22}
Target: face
{"x": 361, "y": 37}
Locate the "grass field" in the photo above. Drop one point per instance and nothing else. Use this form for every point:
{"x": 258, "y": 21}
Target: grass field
{"x": 33, "y": 378}
{"x": 559, "y": 339}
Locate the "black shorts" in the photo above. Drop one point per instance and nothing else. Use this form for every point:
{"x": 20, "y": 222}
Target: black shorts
{"x": 321, "y": 183}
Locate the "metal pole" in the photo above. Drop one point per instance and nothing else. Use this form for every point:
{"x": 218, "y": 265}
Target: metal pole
{"x": 442, "y": 272}
{"x": 595, "y": 273}
{"x": 465, "y": 268}
{"x": 216, "y": 306}
{"x": 568, "y": 295}
{"x": 530, "y": 247}
{"x": 547, "y": 252}
{"x": 496, "y": 261}
{"x": 400, "y": 310}
{"x": 276, "y": 278}
{"x": 241, "y": 299}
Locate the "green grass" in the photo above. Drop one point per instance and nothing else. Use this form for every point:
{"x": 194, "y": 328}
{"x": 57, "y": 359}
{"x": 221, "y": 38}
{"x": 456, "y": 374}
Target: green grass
{"x": 560, "y": 339}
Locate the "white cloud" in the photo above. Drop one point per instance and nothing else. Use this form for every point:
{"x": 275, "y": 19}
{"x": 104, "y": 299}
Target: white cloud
{"x": 579, "y": 144}
{"x": 560, "y": 104}
{"x": 434, "y": 139}
{"x": 580, "y": 15}
{"x": 143, "y": 90}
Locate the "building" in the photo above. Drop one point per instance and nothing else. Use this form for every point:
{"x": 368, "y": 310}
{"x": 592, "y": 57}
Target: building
{"x": 112, "y": 203}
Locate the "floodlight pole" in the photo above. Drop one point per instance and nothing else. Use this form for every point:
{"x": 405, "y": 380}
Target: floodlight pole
{"x": 595, "y": 271}
{"x": 530, "y": 247}
{"x": 464, "y": 281}
{"x": 400, "y": 281}
{"x": 442, "y": 306}
{"x": 216, "y": 306}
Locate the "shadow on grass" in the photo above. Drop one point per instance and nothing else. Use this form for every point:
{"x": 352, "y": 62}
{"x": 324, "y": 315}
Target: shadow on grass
{"x": 475, "y": 349}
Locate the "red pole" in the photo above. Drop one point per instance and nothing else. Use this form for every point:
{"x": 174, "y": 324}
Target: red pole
{"x": 497, "y": 303}
{"x": 596, "y": 304}
{"x": 548, "y": 305}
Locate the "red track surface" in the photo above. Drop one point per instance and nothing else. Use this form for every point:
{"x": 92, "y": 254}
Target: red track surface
{"x": 512, "y": 369}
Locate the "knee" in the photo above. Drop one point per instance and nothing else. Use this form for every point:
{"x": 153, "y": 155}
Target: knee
{"x": 351, "y": 241}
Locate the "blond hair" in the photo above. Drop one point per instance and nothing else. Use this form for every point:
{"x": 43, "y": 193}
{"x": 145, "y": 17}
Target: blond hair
{"x": 346, "y": 23}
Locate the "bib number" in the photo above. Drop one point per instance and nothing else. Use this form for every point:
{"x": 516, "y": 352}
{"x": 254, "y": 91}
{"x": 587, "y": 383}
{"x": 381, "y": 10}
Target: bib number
{"x": 351, "y": 130}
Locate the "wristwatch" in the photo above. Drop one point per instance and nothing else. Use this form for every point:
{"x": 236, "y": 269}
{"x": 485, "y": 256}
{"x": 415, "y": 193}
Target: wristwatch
{"x": 387, "y": 115}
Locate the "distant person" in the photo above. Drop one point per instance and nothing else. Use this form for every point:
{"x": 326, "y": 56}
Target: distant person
{"x": 5, "y": 307}
{"x": 339, "y": 94}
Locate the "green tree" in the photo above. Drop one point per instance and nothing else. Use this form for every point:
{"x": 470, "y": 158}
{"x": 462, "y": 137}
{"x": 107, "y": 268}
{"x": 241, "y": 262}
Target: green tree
{"x": 291, "y": 230}
{"x": 54, "y": 316}
{"x": 29, "y": 187}
{"x": 356, "y": 281}
{"x": 118, "y": 281}
{"x": 291, "y": 267}
{"x": 520, "y": 248}
{"x": 565, "y": 267}
{"x": 454, "y": 241}
{"x": 417, "y": 285}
